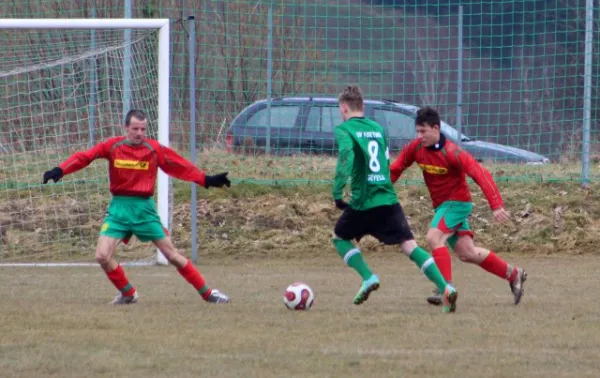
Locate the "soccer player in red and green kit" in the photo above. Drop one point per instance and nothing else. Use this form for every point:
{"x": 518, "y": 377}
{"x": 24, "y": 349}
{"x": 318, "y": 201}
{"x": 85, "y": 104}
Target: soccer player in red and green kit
{"x": 133, "y": 162}
{"x": 445, "y": 167}
{"x": 373, "y": 209}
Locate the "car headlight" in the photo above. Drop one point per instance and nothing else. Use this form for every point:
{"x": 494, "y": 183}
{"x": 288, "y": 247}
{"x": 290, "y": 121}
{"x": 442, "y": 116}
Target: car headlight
{"x": 544, "y": 161}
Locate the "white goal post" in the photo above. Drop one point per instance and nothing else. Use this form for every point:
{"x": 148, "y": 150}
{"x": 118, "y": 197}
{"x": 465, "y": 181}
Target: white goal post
{"x": 162, "y": 27}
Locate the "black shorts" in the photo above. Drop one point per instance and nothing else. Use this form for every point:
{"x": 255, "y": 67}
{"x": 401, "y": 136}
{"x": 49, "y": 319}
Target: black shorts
{"x": 386, "y": 223}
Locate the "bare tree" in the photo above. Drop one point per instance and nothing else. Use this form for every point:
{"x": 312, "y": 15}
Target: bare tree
{"x": 241, "y": 33}
{"x": 426, "y": 69}
{"x": 431, "y": 76}
{"x": 534, "y": 124}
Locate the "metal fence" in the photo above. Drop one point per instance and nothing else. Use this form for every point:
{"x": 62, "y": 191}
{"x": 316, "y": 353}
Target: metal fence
{"x": 253, "y": 87}
{"x": 516, "y": 73}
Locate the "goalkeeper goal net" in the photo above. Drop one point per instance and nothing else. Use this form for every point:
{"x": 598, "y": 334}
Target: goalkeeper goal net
{"x": 66, "y": 84}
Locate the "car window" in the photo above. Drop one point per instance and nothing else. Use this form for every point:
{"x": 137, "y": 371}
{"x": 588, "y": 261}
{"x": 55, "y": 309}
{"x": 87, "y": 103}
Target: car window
{"x": 281, "y": 117}
{"x": 398, "y": 125}
{"x": 313, "y": 120}
{"x": 452, "y": 133}
{"x": 323, "y": 119}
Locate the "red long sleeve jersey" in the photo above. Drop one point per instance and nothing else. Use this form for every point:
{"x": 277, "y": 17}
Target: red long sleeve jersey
{"x": 444, "y": 173}
{"x": 133, "y": 168}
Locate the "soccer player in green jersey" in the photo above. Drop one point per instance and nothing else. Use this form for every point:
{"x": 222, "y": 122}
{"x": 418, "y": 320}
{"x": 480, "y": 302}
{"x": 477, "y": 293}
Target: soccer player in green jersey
{"x": 373, "y": 208}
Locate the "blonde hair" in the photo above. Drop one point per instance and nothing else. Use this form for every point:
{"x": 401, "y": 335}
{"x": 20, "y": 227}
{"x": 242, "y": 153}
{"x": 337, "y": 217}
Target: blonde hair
{"x": 352, "y": 96}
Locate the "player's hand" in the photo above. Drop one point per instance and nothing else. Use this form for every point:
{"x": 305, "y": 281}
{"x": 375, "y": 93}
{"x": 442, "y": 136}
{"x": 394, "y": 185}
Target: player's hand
{"x": 217, "y": 181}
{"x": 54, "y": 174}
{"x": 501, "y": 215}
{"x": 340, "y": 204}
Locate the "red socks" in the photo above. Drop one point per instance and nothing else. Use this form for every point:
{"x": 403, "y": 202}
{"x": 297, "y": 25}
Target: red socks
{"x": 499, "y": 267}
{"x": 191, "y": 274}
{"x": 492, "y": 264}
{"x": 194, "y": 277}
{"x": 443, "y": 260}
{"x": 118, "y": 278}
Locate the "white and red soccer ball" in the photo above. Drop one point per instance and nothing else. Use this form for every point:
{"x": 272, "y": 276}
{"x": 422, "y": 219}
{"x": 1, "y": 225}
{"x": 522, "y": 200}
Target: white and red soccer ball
{"x": 298, "y": 296}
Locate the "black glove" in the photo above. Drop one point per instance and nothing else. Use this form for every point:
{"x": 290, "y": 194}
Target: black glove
{"x": 217, "y": 181}
{"x": 54, "y": 174}
{"x": 340, "y": 204}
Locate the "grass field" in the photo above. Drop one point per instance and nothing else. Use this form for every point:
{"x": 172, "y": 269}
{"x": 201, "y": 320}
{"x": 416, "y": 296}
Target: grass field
{"x": 57, "y": 323}
{"x": 254, "y": 240}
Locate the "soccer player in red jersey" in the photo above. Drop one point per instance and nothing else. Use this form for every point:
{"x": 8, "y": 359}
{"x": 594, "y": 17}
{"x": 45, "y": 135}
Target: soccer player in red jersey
{"x": 133, "y": 162}
{"x": 445, "y": 167}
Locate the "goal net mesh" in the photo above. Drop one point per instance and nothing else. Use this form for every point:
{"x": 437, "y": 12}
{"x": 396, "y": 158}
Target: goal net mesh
{"x": 63, "y": 91}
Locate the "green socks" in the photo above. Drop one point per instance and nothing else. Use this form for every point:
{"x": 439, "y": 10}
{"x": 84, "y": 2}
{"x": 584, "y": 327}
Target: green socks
{"x": 352, "y": 257}
{"x": 425, "y": 262}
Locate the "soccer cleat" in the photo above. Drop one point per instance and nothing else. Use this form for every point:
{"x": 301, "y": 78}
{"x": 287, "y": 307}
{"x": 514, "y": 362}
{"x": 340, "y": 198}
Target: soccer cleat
{"x": 217, "y": 297}
{"x": 449, "y": 299}
{"x": 366, "y": 288}
{"x": 517, "y": 285}
{"x": 125, "y": 300}
{"x": 436, "y": 298}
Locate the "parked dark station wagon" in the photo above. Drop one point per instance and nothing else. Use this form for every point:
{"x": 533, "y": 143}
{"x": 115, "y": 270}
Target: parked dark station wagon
{"x": 304, "y": 125}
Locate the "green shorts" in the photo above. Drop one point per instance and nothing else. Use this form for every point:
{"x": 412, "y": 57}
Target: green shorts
{"x": 127, "y": 216}
{"x": 451, "y": 217}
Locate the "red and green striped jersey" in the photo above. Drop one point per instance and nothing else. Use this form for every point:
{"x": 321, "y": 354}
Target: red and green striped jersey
{"x": 133, "y": 169}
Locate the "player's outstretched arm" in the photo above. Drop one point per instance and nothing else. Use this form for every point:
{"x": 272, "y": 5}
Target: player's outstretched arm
{"x": 177, "y": 166}
{"x": 403, "y": 161}
{"x": 343, "y": 167}
{"x": 484, "y": 179}
{"x": 75, "y": 162}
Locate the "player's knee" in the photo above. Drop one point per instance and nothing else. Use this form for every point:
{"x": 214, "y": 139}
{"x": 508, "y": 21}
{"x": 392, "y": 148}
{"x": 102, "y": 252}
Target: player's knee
{"x": 434, "y": 239}
{"x": 177, "y": 259}
{"x": 465, "y": 250}
{"x": 408, "y": 246}
{"x": 102, "y": 257}
{"x": 105, "y": 249}
{"x": 173, "y": 256}
{"x": 465, "y": 254}
{"x": 335, "y": 238}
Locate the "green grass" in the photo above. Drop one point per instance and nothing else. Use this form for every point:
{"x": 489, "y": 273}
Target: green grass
{"x": 57, "y": 322}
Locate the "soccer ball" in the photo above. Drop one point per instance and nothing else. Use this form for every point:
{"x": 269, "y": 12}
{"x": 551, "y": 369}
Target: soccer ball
{"x": 298, "y": 296}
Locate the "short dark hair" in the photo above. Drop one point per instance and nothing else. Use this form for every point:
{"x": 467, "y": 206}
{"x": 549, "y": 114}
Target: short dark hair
{"x": 429, "y": 116}
{"x": 352, "y": 96}
{"x": 138, "y": 114}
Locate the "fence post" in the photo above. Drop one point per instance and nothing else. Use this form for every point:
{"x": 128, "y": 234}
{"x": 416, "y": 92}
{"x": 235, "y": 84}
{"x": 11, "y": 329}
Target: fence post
{"x": 93, "y": 90}
{"x": 127, "y": 61}
{"x": 460, "y": 76}
{"x": 192, "y": 88}
{"x": 587, "y": 93}
{"x": 269, "y": 74}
